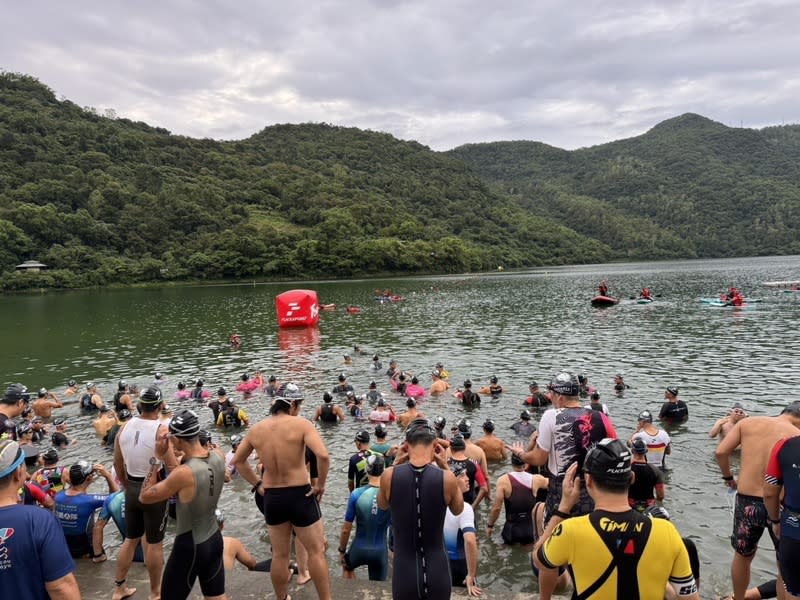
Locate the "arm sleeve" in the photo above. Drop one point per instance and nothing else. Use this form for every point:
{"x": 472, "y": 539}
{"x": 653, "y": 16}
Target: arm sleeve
{"x": 350, "y": 513}
{"x": 557, "y": 550}
{"x": 681, "y": 576}
{"x": 480, "y": 478}
{"x": 545, "y": 439}
{"x": 56, "y": 561}
{"x": 664, "y": 409}
{"x": 774, "y": 473}
{"x": 610, "y": 431}
{"x": 466, "y": 520}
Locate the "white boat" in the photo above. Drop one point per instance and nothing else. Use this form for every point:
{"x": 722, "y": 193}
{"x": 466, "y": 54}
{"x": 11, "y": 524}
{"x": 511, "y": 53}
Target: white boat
{"x": 780, "y": 284}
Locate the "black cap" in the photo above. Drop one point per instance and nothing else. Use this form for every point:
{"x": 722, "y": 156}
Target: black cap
{"x": 326, "y": 397}
{"x": 124, "y": 414}
{"x": 151, "y": 395}
{"x": 122, "y": 385}
{"x": 609, "y": 462}
{"x": 493, "y": 379}
{"x": 457, "y": 442}
{"x": 793, "y": 409}
{"x": 362, "y": 437}
{"x": 372, "y": 385}
{"x": 525, "y": 415}
{"x": 16, "y": 392}
{"x": 59, "y": 421}
{"x": 467, "y": 383}
{"x": 273, "y": 378}
{"x": 458, "y": 469}
{"x": 79, "y": 472}
{"x": 533, "y": 384}
{"x": 439, "y": 422}
{"x": 245, "y": 376}
{"x": 673, "y": 390}
{"x": 380, "y": 430}
{"x": 222, "y": 392}
{"x": 488, "y": 425}
{"x": 204, "y": 437}
{"x": 565, "y": 384}
{"x": 375, "y": 464}
{"x": 414, "y": 380}
{"x": 50, "y": 457}
{"x": 411, "y": 403}
{"x": 638, "y": 446}
{"x": 420, "y": 430}
{"x": 342, "y": 377}
{"x": 380, "y": 402}
{"x": 185, "y": 424}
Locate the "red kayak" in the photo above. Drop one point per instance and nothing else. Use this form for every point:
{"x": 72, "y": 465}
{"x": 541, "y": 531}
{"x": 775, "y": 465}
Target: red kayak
{"x": 604, "y": 301}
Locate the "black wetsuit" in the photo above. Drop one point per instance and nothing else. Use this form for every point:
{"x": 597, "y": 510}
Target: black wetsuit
{"x": 518, "y": 528}
{"x": 674, "y": 412}
{"x": 470, "y": 399}
{"x": 421, "y": 566}
{"x": 326, "y": 414}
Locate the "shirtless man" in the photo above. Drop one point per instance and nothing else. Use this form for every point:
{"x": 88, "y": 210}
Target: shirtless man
{"x": 104, "y": 422}
{"x": 724, "y": 425}
{"x": 492, "y": 446}
{"x": 412, "y": 413}
{"x": 439, "y": 385}
{"x": 291, "y": 502}
{"x": 757, "y": 436}
{"x": 43, "y": 406}
{"x": 72, "y": 388}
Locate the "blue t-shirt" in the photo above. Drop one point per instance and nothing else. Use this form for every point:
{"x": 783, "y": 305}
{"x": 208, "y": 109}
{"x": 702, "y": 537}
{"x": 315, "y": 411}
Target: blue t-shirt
{"x": 76, "y": 513}
{"x": 33, "y": 552}
{"x": 372, "y": 522}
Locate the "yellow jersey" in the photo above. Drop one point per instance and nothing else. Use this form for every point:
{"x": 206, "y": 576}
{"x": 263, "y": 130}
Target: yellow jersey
{"x": 620, "y": 555}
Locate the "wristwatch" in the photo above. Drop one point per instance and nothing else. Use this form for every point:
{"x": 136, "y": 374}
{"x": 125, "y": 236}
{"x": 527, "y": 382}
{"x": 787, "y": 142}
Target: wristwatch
{"x": 153, "y": 461}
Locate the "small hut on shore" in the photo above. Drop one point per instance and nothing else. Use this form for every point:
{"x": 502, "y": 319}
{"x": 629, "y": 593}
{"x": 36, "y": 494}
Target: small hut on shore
{"x": 31, "y": 266}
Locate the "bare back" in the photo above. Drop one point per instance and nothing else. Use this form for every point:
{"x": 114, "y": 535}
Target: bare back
{"x": 758, "y": 435}
{"x": 280, "y": 442}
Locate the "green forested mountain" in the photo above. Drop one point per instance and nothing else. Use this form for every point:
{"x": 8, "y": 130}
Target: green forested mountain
{"x": 100, "y": 199}
{"x": 688, "y": 187}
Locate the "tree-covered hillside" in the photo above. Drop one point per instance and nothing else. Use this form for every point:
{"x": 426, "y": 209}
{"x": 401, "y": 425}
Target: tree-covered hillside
{"x": 101, "y": 199}
{"x": 688, "y": 187}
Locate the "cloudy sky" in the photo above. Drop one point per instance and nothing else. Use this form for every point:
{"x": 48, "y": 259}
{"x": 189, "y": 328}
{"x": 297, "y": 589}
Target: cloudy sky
{"x": 443, "y": 72}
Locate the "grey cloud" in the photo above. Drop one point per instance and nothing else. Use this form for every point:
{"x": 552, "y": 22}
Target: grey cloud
{"x": 444, "y": 73}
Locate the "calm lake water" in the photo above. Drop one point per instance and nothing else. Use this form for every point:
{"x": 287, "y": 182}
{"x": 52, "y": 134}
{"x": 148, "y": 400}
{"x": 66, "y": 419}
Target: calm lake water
{"x": 519, "y": 326}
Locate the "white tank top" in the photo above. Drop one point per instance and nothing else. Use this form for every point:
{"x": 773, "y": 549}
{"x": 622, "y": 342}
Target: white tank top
{"x": 137, "y": 443}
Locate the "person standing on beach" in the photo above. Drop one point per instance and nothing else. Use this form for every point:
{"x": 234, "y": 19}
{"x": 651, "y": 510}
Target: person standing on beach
{"x": 419, "y": 488}
{"x": 291, "y": 501}
{"x": 34, "y": 559}
{"x": 134, "y": 449}
{"x": 757, "y": 436}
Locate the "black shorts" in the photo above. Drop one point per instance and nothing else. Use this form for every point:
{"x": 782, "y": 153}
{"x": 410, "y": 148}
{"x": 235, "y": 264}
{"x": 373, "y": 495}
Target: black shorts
{"x": 584, "y": 506}
{"x": 749, "y": 523}
{"x": 290, "y": 504}
{"x": 188, "y": 562}
{"x": 149, "y": 520}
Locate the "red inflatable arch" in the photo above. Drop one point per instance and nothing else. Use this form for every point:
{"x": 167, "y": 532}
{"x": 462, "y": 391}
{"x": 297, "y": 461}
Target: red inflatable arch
{"x": 297, "y": 308}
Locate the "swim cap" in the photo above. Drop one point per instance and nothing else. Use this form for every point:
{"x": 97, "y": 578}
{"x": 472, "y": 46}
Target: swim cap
{"x": 72, "y": 383}
{"x": 595, "y": 396}
{"x": 122, "y": 385}
{"x": 245, "y": 376}
{"x": 657, "y": 512}
{"x": 457, "y": 443}
{"x": 525, "y": 415}
{"x": 436, "y": 373}
{"x": 292, "y": 392}
{"x": 493, "y": 379}
{"x": 581, "y": 378}
{"x": 638, "y": 446}
{"x": 362, "y": 437}
{"x": 565, "y": 384}
{"x": 16, "y": 392}
{"x": 204, "y": 437}
{"x": 467, "y": 383}
{"x": 793, "y": 409}
{"x": 58, "y": 421}
{"x": 464, "y": 425}
{"x": 372, "y": 385}
{"x": 198, "y": 383}
{"x": 420, "y": 430}
{"x": 458, "y": 469}
{"x": 439, "y": 422}
{"x": 36, "y": 419}
{"x": 222, "y": 392}
{"x": 375, "y": 464}
{"x": 50, "y": 457}
{"x": 488, "y": 426}
{"x": 23, "y": 428}
{"x": 158, "y": 374}
{"x": 236, "y": 439}
{"x": 104, "y": 409}
{"x": 342, "y": 377}
{"x": 351, "y": 394}
{"x": 646, "y": 416}
{"x": 42, "y": 392}
{"x": 124, "y": 414}
{"x": 411, "y": 403}
{"x": 375, "y": 357}
{"x": 91, "y": 385}
{"x": 80, "y": 472}
{"x": 181, "y": 385}
{"x": 381, "y": 402}
{"x": 533, "y": 384}
{"x": 150, "y": 395}
{"x": 273, "y": 378}
{"x": 326, "y": 397}
{"x": 185, "y": 424}
{"x": 609, "y": 462}
{"x": 380, "y": 430}
{"x": 672, "y": 390}
{"x": 414, "y": 380}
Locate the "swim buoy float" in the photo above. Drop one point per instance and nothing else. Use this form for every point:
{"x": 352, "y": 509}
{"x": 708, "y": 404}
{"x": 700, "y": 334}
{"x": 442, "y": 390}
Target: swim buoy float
{"x": 297, "y": 308}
